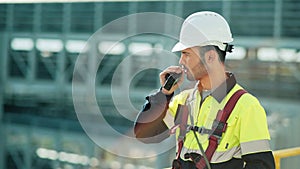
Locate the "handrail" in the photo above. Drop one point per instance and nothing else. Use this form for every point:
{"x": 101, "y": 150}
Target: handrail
{"x": 289, "y": 152}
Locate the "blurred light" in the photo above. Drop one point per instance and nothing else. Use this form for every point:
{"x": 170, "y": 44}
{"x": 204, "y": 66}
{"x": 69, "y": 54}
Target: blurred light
{"x": 158, "y": 47}
{"x": 48, "y": 154}
{"x": 63, "y": 156}
{"x": 288, "y": 55}
{"x": 22, "y": 44}
{"x": 84, "y": 160}
{"x": 94, "y": 162}
{"x": 111, "y": 47}
{"x": 76, "y": 46}
{"x": 238, "y": 53}
{"x": 144, "y": 49}
{"x": 49, "y": 45}
{"x": 273, "y": 54}
{"x": 73, "y": 158}
{"x": 66, "y": 157}
{"x": 52, "y": 155}
{"x": 115, "y": 165}
{"x": 129, "y": 166}
{"x": 42, "y": 153}
{"x": 267, "y": 54}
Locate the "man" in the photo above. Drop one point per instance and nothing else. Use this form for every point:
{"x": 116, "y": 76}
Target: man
{"x": 244, "y": 142}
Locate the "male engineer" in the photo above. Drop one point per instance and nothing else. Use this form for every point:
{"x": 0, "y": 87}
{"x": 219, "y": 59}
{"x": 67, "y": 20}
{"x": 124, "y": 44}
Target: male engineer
{"x": 241, "y": 140}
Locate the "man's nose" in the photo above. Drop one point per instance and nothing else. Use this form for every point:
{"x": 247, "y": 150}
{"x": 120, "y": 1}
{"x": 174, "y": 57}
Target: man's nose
{"x": 181, "y": 60}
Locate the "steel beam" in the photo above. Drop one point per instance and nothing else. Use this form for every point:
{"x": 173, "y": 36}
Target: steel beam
{"x": 3, "y": 72}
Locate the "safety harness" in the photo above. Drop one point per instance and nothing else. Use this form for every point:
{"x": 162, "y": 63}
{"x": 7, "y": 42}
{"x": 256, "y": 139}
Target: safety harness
{"x": 215, "y": 134}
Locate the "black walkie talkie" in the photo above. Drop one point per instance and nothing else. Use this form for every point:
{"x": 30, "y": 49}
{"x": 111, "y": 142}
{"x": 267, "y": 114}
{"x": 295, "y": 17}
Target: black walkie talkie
{"x": 171, "y": 80}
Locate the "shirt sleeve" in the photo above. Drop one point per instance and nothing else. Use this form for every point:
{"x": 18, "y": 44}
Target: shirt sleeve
{"x": 254, "y": 133}
{"x": 264, "y": 160}
{"x": 149, "y": 126}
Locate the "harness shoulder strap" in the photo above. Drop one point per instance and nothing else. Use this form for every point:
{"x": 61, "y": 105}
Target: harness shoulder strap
{"x": 219, "y": 127}
{"x": 180, "y": 120}
{"x": 230, "y": 105}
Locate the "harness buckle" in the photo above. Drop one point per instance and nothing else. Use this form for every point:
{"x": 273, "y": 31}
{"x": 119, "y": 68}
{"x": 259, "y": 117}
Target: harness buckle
{"x": 219, "y": 127}
{"x": 201, "y": 130}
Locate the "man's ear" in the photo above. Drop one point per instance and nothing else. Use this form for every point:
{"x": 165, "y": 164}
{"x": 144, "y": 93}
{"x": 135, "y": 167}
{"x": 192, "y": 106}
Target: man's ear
{"x": 211, "y": 56}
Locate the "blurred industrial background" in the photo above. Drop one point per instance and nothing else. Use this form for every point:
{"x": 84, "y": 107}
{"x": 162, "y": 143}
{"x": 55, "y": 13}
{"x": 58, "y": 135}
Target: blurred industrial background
{"x": 39, "y": 45}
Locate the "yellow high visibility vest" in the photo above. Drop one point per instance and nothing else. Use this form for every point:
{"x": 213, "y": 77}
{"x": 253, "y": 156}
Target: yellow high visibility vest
{"x": 247, "y": 130}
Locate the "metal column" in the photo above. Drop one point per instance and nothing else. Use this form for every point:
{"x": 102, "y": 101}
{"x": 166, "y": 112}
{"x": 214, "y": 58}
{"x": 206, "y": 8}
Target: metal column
{"x": 3, "y": 66}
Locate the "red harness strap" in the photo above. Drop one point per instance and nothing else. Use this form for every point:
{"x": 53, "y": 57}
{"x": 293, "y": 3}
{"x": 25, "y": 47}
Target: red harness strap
{"x": 182, "y": 127}
{"x": 181, "y": 121}
{"x": 219, "y": 127}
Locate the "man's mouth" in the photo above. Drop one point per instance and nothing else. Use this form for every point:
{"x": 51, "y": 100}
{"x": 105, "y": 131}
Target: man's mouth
{"x": 185, "y": 70}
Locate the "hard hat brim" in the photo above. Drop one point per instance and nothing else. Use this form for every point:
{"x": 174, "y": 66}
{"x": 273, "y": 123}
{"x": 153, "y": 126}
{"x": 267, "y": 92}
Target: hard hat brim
{"x": 179, "y": 47}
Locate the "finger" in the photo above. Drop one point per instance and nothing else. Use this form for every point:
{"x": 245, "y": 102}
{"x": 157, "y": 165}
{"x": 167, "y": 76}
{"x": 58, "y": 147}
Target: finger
{"x": 169, "y": 70}
{"x": 174, "y": 69}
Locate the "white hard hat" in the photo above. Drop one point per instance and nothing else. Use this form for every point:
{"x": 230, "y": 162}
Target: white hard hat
{"x": 202, "y": 29}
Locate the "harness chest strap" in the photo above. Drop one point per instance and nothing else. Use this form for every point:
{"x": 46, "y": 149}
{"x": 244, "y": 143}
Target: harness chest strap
{"x": 218, "y": 128}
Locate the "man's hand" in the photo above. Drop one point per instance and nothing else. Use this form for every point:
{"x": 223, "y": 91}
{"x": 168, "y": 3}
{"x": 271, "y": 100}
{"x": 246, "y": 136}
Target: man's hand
{"x": 171, "y": 70}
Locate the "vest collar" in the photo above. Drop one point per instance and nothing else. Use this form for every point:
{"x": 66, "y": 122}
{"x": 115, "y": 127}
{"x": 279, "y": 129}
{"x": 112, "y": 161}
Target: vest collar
{"x": 220, "y": 92}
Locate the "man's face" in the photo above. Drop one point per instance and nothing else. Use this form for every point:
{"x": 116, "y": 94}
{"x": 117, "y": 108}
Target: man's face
{"x": 194, "y": 67}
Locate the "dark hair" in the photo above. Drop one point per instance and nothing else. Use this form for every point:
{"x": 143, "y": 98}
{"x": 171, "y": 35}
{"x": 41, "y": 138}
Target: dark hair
{"x": 204, "y": 49}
